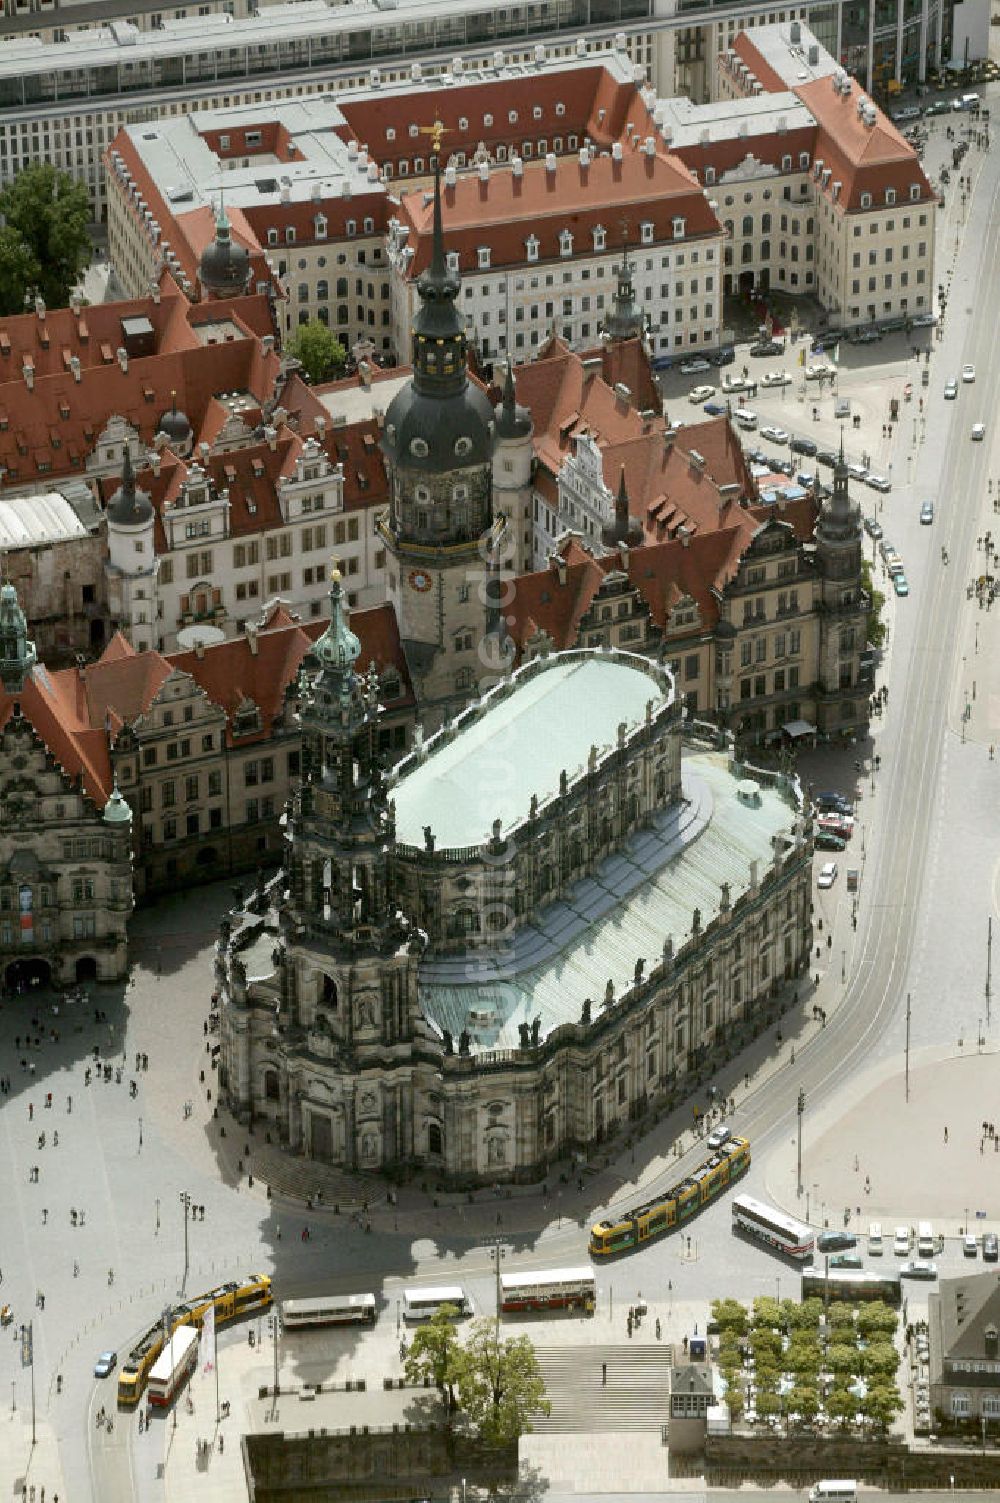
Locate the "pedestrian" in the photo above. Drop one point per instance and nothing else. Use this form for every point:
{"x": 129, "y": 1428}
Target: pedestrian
{"x": 76, "y": 1269}
{"x": 31, "y": 1111}
{"x": 946, "y": 1134}
{"x": 604, "y": 1375}
{"x": 55, "y": 1139}
{"x": 45, "y": 1216}
{"x": 69, "y": 1103}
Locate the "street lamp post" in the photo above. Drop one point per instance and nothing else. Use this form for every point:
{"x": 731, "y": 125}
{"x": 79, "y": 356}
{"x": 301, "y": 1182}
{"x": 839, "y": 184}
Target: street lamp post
{"x": 800, "y": 1108}
{"x": 185, "y": 1200}
{"x": 157, "y": 1215}
{"x": 497, "y": 1253}
{"x": 140, "y": 1134}
{"x": 843, "y": 965}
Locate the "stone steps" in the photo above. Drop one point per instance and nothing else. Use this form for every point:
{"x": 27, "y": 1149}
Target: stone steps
{"x": 301, "y": 1178}
{"x": 635, "y": 1397}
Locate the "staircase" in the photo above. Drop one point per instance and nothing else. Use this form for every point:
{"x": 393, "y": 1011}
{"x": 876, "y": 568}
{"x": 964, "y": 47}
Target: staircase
{"x": 635, "y": 1397}
{"x": 299, "y": 1178}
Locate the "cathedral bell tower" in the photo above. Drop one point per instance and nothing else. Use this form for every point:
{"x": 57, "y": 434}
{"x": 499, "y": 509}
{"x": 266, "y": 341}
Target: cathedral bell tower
{"x": 841, "y": 699}
{"x": 349, "y": 974}
{"x": 438, "y": 443}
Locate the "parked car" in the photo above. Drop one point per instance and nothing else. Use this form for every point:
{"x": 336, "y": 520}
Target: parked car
{"x": 836, "y": 824}
{"x": 733, "y": 383}
{"x": 826, "y": 457}
{"x": 775, "y": 378}
{"x": 827, "y": 874}
{"x": 785, "y": 466}
{"x": 829, "y": 799}
{"x": 867, "y": 336}
{"x": 857, "y": 471}
{"x": 776, "y": 435}
{"x": 950, "y": 389}
{"x": 842, "y": 409}
{"x": 105, "y": 1364}
{"x": 718, "y": 1137}
{"x": 901, "y": 1242}
{"x": 878, "y": 482}
{"x": 826, "y": 840}
{"x": 695, "y": 367}
{"x": 847, "y": 1260}
{"x": 978, "y": 432}
{"x": 927, "y": 513}
{"x": 925, "y": 320}
{"x": 661, "y": 362}
{"x": 819, "y": 372}
{"x": 766, "y": 347}
{"x": 918, "y": 1268}
{"x": 828, "y": 1242}
{"x": 725, "y": 356}
{"x": 873, "y": 528}
{"x": 701, "y": 394}
{"x": 991, "y": 1247}
{"x": 970, "y": 1245}
{"x": 757, "y": 456}
{"x": 968, "y": 374}
{"x": 714, "y": 409}
{"x": 901, "y": 584}
{"x": 803, "y": 446}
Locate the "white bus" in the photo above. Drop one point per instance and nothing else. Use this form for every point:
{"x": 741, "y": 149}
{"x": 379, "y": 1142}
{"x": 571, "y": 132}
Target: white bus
{"x": 328, "y": 1310}
{"x": 421, "y": 1304}
{"x": 549, "y": 1289}
{"x": 783, "y": 1233}
{"x": 173, "y": 1365}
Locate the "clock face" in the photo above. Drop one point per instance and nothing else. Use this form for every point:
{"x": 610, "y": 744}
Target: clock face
{"x": 419, "y": 580}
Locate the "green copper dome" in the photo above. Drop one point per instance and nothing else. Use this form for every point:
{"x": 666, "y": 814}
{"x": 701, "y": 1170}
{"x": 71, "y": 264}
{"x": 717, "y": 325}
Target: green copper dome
{"x": 338, "y": 647}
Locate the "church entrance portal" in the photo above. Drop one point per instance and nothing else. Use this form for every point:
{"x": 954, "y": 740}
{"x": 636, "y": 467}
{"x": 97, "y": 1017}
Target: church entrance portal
{"x": 22, "y": 974}
{"x": 320, "y": 1137}
{"x": 86, "y": 968}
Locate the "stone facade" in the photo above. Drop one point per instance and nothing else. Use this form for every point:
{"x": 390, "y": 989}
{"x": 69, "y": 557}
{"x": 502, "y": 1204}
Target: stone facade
{"x": 324, "y": 1032}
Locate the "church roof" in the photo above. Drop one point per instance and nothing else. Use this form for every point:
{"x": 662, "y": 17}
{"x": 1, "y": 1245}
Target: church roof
{"x": 546, "y": 726}
{"x": 643, "y": 894}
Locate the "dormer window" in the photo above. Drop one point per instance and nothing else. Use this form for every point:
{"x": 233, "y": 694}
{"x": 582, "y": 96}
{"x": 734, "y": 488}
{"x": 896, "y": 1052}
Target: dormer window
{"x": 803, "y": 161}
{"x": 487, "y": 121}
{"x": 414, "y": 130}
{"x": 786, "y": 164}
{"x": 452, "y": 258}
{"x": 600, "y": 237}
{"x": 890, "y": 196}
{"x": 646, "y": 231}
{"x": 352, "y": 227}
{"x": 290, "y": 234}
{"x": 463, "y": 124}
{"x": 320, "y": 226}
{"x": 483, "y": 257}
{"x": 560, "y": 108}
{"x": 678, "y": 226}
{"x": 272, "y": 237}
{"x": 512, "y": 117}
{"x": 866, "y": 200}
{"x": 369, "y": 225}
{"x": 390, "y": 133}
{"x": 531, "y": 246}
{"x": 709, "y": 176}
{"x": 565, "y": 243}
{"x": 914, "y": 192}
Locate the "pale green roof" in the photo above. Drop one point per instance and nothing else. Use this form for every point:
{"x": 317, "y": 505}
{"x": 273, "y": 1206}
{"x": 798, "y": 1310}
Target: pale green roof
{"x": 518, "y": 747}
{"x": 649, "y": 890}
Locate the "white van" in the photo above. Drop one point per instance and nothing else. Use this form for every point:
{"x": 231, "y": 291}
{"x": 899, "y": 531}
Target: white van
{"x": 926, "y": 1245}
{"x": 875, "y": 1240}
{"x": 745, "y": 418}
{"x": 834, "y": 1490}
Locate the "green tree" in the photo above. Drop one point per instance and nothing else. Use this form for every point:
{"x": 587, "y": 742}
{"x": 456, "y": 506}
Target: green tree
{"x": 48, "y": 214}
{"x": 841, "y": 1358}
{"x": 880, "y": 1360}
{"x": 435, "y": 1355}
{"x": 842, "y": 1405}
{"x": 881, "y": 1404}
{"x": 500, "y": 1384}
{"x": 766, "y": 1312}
{"x": 729, "y": 1315}
{"x": 877, "y": 1319}
{"x": 320, "y": 351}
{"x": 768, "y": 1403}
{"x": 19, "y": 271}
{"x": 876, "y": 626}
{"x": 735, "y": 1397}
{"x": 803, "y": 1400}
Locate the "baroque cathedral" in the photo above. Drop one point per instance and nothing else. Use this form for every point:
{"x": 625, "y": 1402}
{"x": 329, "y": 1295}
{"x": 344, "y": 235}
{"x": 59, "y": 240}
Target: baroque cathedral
{"x": 437, "y": 975}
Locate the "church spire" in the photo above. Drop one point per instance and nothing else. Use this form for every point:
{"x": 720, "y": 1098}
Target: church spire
{"x": 338, "y": 649}
{"x": 439, "y": 342}
{"x": 622, "y": 529}
{"x": 626, "y": 319}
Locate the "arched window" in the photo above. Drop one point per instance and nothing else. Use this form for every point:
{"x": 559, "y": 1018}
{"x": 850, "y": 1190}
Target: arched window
{"x": 329, "y": 992}
{"x": 271, "y": 1085}
{"x": 323, "y": 314}
{"x": 343, "y": 316}
{"x": 323, "y": 289}
{"x": 435, "y": 1139}
{"x": 765, "y": 224}
{"x": 341, "y": 286}
{"x": 747, "y": 256}
{"x": 748, "y": 224}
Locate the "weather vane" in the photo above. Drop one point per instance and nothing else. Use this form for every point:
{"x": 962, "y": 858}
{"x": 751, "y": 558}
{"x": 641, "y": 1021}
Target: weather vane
{"x": 435, "y": 131}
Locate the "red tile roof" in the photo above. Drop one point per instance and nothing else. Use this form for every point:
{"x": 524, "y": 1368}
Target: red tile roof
{"x": 747, "y": 51}
{"x": 864, "y": 158}
{"x": 504, "y": 210}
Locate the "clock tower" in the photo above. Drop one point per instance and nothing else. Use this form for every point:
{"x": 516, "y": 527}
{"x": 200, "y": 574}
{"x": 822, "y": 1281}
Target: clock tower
{"x": 440, "y": 533}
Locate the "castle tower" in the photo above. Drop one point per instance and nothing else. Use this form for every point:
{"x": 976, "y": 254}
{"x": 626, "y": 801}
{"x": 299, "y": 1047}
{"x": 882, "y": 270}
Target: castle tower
{"x": 841, "y": 701}
{"x": 438, "y": 443}
{"x": 625, "y": 319}
{"x": 224, "y": 268}
{"x": 512, "y": 458}
{"x": 17, "y": 654}
{"x": 348, "y": 977}
{"x": 131, "y": 565}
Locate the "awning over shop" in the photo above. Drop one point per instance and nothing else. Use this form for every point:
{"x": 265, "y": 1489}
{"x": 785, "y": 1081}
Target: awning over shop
{"x": 797, "y": 728}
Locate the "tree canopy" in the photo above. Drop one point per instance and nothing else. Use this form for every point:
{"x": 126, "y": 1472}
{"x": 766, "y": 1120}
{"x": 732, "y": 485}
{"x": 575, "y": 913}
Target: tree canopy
{"x": 436, "y": 1356}
{"x": 45, "y": 243}
{"x": 499, "y": 1383}
{"x": 319, "y": 350}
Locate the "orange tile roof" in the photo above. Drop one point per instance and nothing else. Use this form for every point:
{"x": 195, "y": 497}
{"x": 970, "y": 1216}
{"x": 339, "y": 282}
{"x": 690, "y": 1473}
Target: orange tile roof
{"x": 864, "y": 158}
{"x": 503, "y": 211}
{"x": 747, "y": 51}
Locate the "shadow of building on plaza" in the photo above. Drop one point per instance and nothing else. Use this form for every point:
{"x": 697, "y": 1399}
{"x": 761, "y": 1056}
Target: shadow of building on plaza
{"x": 44, "y": 1034}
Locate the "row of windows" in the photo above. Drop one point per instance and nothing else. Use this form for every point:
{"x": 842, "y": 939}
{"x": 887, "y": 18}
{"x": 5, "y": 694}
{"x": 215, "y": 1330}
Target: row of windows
{"x": 756, "y": 687}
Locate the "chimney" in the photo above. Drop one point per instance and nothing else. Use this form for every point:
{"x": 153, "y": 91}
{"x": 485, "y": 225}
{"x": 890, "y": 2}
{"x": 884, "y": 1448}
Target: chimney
{"x": 484, "y": 172}
{"x": 252, "y": 639}
{"x": 76, "y": 301}
{"x": 28, "y": 372}
{"x": 40, "y": 308}
{"x": 204, "y": 451}
{"x": 450, "y": 176}
{"x": 199, "y": 648}
{"x": 584, "y": 158}
{"x": 539, "y": 53}
{"x": 320, "y": 425}
{"x": 517, "y": 167}
{"x": 123, "y": 358}
{"x": 990, "y": 1340}
{"x": 267, "y": 343}
{"x": 272, "y": 438}
{"x": 550, "y": 162}
{"x": 155, "y": 460}
{"x": 154, "y": 293}
{"x": 581, "y": 47}
{"x": 415, "y": 72}
{"x": 616, "y": 151}
{"x": 74, "y": 365}
{"x": 560, "y": 566}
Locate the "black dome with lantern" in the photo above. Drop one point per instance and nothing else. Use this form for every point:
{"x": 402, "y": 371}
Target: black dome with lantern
{"x": 224, "y": 269}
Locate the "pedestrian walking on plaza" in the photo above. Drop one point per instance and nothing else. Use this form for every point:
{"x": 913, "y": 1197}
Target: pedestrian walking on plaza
{"x": 946, "y": 1134}
{"x": 45, "y": 1216}
{"x": 69, "y": 1104}
{"x": 31, "y": 1111}
{"x": 604, "y": 1375}
{"x": 55, "y": 1139}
